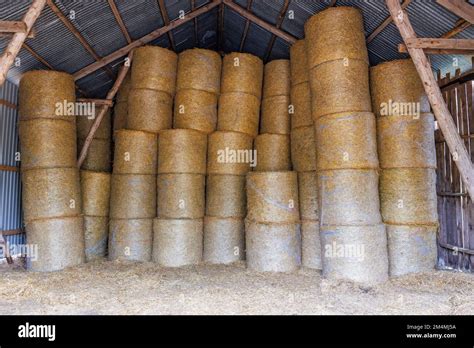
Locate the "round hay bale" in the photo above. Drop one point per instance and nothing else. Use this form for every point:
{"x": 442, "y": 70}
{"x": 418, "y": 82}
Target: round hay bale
{"x": 308, "y": 194}
{"x": 335, "y": 33}
{"x": 303, "y": 149}
{"x": 238, "y": 112}
{"x": 95, "y": 190}
{"x": 273, "y": 247}
{"x": 355, "y": 253}
{"x": 242, "y": 72}
{"x": 41, "y": 90}
{"x": 273, "y": 152}
{"x": 349, "y": 197}
{"x": 411, "y": 249}
{"x": 136, "y": 152}
{"x": 346, "y": 141}
{"x": 149, "y": 110}
{"x": 406, "y": 141}
{"x": 133, "y": 196}
{"x": 182, "y": 151}
{"x": 130, "y": 239}
{"x": 199, "y": 69}
{"x": 154, "y": 68}
{"x": 122, "y": 93}
{"x": 408, "y": 196}
{"x": 59, "y": 243}
{"x": 301, "y": 102}
{"x": 276, "y": 78}
{"x": 99, "y": 155}
{"x": 230, "y": 153}
{"x": 47, "y": 143}
{"x": 177, "y": 242}
{"x": 271, "y": 202}
{"x": 225, "y": 196}
{"x": 195, "y": 109}
{"x": 120, "y": 116}
{"x": 84, "y": 125}
{"x": 181, "y": 196}
{"x": 310, "y": 244}
{"x": 275, "y": 115}
{"x": 395, "y": 86}
{"x": 51, "y": 193}
{"x": 224, "y": 240}
{"x": 340, "y": 86}
{"x": 96, "y": 231}
{"x": 298, "y": 63}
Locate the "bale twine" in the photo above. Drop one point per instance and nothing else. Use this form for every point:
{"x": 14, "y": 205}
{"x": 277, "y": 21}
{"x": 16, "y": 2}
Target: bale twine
{"x": 225, "y": 196}
{"x": 133, "y": 196}
{"x": 130, "y": 239}
{"x": 273, "y": 152}
{"x": 242, "y": 72}
{"x": 51, "y": 193}
{"x": 335, "y": 33}
{"x": 99, "y": 156}
{"x": 182, "y": 151}
{"x": 408, "y": 196}
{"x": 275, "y": 115}
{"x": 195, "y": 109}
{"x": 397, "y": 82}
{"x": 199, "y": 69}
{"x": 349, "y": 197}
{"x": 276, "y": 78}
{"x": 95, "y": 190}
{"x": 154, "y": 68}
{"x": 181, "y": 196}
{"x": 308, "y": 195}
{"x": 406, "y": 141}
{"x": 96, "y": 231}
{"x": 47, "y": 143}
{"x": 60, "y": 243}
{"x": 301, "y": 102}
{"x": 84, "y": 125}
{"x": 268, "y": 202}
{"x": 273, "y": 247}
{"x": 238, "y": 112}
{"x": 298, "y": 63}
{"x": 136, "y": 152}
{"x": 346, "y": 140}
{"x": 122, "y": 93}
{"x": 120, "y": 116}
{"x": 411, "y": 249}
{"x": 224, "y": 240}
{"x": 310, "y": 244}
{"x": 229, "y": 153}
{"x": 177, "y": 242}
{"x": 41, "y": 90}
{"x": 340, "y": 86}
{"x": 149, "y": 110}
{"x": 355, "y": 253}
{"x": 303, "y": 149}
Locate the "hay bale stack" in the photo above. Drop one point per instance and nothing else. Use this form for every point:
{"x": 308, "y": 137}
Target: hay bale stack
{"x": 51, "y": 192}
{"x": 149, "y": 110}
{"x": 194, "y": 109}
{"x": 273, "y": 152}
{"x": 130, "y": 239}
{"x": 121, "y": 104}
{"x": 238, "y": 112}
{"x": 136, "y": 152}
{"x": 242, "y": 72}
{"x": 407, "y": 153}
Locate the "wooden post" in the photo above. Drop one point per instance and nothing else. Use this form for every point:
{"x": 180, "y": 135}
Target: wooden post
{"x": 443, "y": 116}
{"x": 7, "y": 58}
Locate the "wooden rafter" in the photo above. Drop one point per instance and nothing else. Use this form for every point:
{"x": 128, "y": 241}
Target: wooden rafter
{"x": 385, "y": 23}
{"x": 279, "y": 22}
{"x": 246, "y": 29}
{"x": 402, "y": 48}
{"x": 460, "y": 26}
{"x": 166, "y": 20}
{"x": 441, "y": 44}
{"x": 195, "y": 20}
{"x": 220, "y": 27}
{"x": 9, "y": 28}
{"x": 96, "y": 101}
{"x": 143, "y": 40}
{"x": 459, "y": 8}
{"x": 445, "y": 121}
{"x": 118, "y": 18}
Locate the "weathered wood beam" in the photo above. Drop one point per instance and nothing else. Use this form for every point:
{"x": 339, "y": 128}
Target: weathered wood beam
{"x": 9, "y": 168}
{"x": 260, "y": 22}
{"x": 7, "y": 104}
{"x": 9, "y": 28}
{"x": 195, "y": 20}
{"x": 14, "y": 46}
{"x": 118, "y": 18}
{"x": 143, "y": 40}
{"x": 220, "y": 27}
{"x": 96, "y": 101}
{"x": 246, "y": 29}
{"x": 281, "y": 17}
{"x": 459, "y": 8}
{"x": 441, "y": 44}
{"x": 385, "y": 23}
{"x": 402, "y": 48}
{"x": 445, "y": 120}
{"x": 166, "y": 19}
{"x": 460, "y": 26}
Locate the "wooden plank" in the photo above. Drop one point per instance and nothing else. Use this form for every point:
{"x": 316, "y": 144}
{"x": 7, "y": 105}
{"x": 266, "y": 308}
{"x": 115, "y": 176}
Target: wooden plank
{"x": 279, "y": 22}
{"x": 459, "y": 8}
{"x": 166, "y": 19}
{"x": 9, "y": 168}
{"x": 96, "y": 101}
{"x": 220, "y": 28}
{"x": 384, "y": 24}
{"x": 402, "y": 48}
{"x": 119, "y": 20}
{"x": 7, "y": 104}
{"x": 9, "y": 28}
{"x": 246, "y": 29}
{"x": 12, "y": 232}
{"x": 441, "y": 44}
{"x": 195, "y": 20}
{"x": 460, "y": 26}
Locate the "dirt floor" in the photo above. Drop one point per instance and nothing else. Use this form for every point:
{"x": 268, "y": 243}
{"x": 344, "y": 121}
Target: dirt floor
{"x": 104, "y": 287}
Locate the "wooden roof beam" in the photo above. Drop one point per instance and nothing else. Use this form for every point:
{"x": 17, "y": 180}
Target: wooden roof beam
{"x": 246, "y": 29}
{"x": 118, "y": 18}
{"x": 460, "y": 26}
{"x": 166, "y": 19}
{"x": 459, "y": 8}
{"x": 196, "y": 38}
{"x": 385, "y": 23}
{"x": 281, "y": 17}
{"x": 9, "y": 28}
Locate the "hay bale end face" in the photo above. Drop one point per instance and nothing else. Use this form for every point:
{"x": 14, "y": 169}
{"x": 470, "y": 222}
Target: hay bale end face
{"x": 225, "y": 196}
{"x": 224, "y": 240}
{"x": 130, "y": 239}
{"x": 149, "y": 110}
{"x": 195, "y": 109}
{"x": 199, "y": 69}
{"x": 273, "y": 152}
{"x": 238, "y": 112}
{"x": 242, "y": 72}
{"x": 276, "y": 78}
{"x": 136, "y": 152}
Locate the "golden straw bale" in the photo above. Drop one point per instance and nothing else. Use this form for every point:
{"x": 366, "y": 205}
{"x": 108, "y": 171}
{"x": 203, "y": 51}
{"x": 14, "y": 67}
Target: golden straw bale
{"x": 238, "y": 112}
{"x": 273, "y": 152}
{"x": 308, "y": 194}
{"x": 224, "y": 240}
{"x": 230, "y": 153}
{"x": 275, "y": 115}
{"x": 242, "y": 72}
{"x": 149, "y": 110}
{"x": 199, "y": 69}
{"x": 298, "y": 63}
{"x": 130, "y": 239}
{"x": 276, "y": 78}
{"x": 301, "y": 102}
{"x": 99, "y": 156}
{"x": 84, "y": 125}
{"x": 225, "y": 196}
{"x": 120, "y": 116}
{"x": 96, "y": 231}
{"x": 95, "y": 190}
{"x": 303, "y": 149}
{"x": 195, "y": 109}
{"x": 136, "y": 152}
{"x": 310, "y": 244}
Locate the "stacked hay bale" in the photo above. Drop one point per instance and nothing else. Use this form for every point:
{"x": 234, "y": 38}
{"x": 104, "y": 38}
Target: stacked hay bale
{"x": 353, "y": 238}
{"x": 178, "y": 229}
{"x": 230, "y": 157}
{"x": 51, "y": 190}
{"x": 303, "y": 156}
{"x": 408, "y": 162}
{"x": 121, "y": 104}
